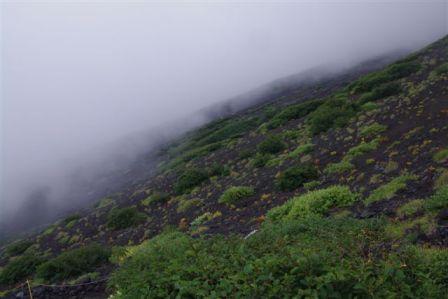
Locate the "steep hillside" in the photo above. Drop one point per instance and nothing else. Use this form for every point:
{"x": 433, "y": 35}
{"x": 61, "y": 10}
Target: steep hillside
{"x": 335, "y": 190}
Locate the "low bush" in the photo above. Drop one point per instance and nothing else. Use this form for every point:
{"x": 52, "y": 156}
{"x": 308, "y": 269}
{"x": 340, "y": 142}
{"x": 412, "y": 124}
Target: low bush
{"x": 19, "y": 269}
{"x": 389, "y": 190}
{"x": 260, "y": 160}
{"x": 372, "y": 130}
{"x": 410, "y": 208}
{"x": 441, "y": 156}
{"x": 442, "y": 179}
{"x": 294, "y": 177}
{"x": 437, "y": 201}
{"x": 295, "y": 111}
{"x": 333, "y": 113}
{"x": 303, "y": 149}
{"x": 155, "y": 198}
{"x": 186, "y": 204}
{"x": 73, "y": 263}
{"x": 381, "y": 92}
{"x": 124, "y": 218}
{"x": 340, "y": 167}
{"x": 309, "y": 258}
{"x": 361, "y": 149}
{"x": 313, "y": 203}
{"x": 235, "y": 194}
{"x": 190, "y": 179}
{"x": 271, "y": 145}
{"x": 218, "y": 169}
{"x": 17, "y": 248}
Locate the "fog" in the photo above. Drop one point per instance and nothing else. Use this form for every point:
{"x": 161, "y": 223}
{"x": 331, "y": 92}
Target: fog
{"x": 79, "y": 77}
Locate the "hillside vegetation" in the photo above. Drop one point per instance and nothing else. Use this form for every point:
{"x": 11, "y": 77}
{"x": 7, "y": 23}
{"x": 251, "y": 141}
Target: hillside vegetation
{"x": 342, "y": 193}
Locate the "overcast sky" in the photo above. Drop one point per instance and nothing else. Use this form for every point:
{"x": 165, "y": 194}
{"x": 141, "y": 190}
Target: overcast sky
{"x": 79, "y": 74}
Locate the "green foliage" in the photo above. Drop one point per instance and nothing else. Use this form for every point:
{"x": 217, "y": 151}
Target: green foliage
{"x": 310, "y": 258}
{"x": 441, "y": 156}
{"x": 260, "y": 160}
{"x": 104, "y": 202}
{"x": 124, "y": 218}
{"x": 383, "y": 91}
{"x": 218, "y": 169}
{"x": 244, "y": 154}
{"x": 438, "y": 201}
{"x": 313, "y": 203}
{"x": 294, "y": 177}
{"x": 389, "y": 190}
{"x": 155, "y": 198}
{"x": 340, "y": 167}
{"x": 440, "y": 70}
{"x": 73, "y": 263}
{"x": 295, "y": 111}
{"x": 303, "y": 149}
{"x": 393, "y": 72}
{"x": 372, "y": 130}
{"x": 17, "y": 248}
{"x": 442, "y": 179}
{"x": 19, "y": 269}
{"x": 333, "y": 113}
{"x": 235, "y": 194}
{"x": 190, "y": 179}
{"x": 186, "y": 204}
{"x": 410, "y": 208}
{"x": 369, "y": 106}
{"x": 271, "y": 145}
{"x": 362, "y": 148}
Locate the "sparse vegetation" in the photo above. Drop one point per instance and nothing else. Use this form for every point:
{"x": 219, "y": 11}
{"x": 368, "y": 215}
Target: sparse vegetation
{"x": 155, "y": 198}
{"x": 372, "y": 130}
{"x": 19, "y": 269}
{"x": 17, "y": 248}
{"x": 293, "y": 112}
{"x": 441, "y": 156}
{"x": 410, "y": 208}
{"x": 235, "y": 194}
{"x": 339, "y": 167}
{"x": 124, "y": 218}
{"x": 438, "y": 201}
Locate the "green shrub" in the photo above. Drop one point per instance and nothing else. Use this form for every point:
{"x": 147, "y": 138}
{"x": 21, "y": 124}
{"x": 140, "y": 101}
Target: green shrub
{"x": 17, "y": 248}
{"x": 124, "y": 218}
{"x": 19, "y": 269}
{"x": 389, "y": 190}
{"x": 313, "y": 203}
{"x": 186, "y": 204}
{"x": 311, "y": 258}
{"x": 372, "y": 130}
{"x": 218, "y": 169}
{"x": 235, "y": 194}
{"x": 295, "y": 111}
{"x": 442, "y": 69}
{"x": 362, "y": 148}
{"x": 441, "y": 156}
{"x": 383, "y": 91}
{"x": 244, "y": 154}
{"x": 442, "y": 179}
{"x": 294, "y": 177}
{"x": 410, "y": 208}
{"x": 260, "y": 160}
{"x": 303, "y": 149}
{"x": 438, "y": 201}
{"x": 333, "y": 113}
{"x": 271, "y": 145}
{"x": 190, "y": 179}
{"x": 155, "y": 198}
{"x": 340, "y": 167}
{"x": 369, "y": 106}
{"x": 73, "y": 263}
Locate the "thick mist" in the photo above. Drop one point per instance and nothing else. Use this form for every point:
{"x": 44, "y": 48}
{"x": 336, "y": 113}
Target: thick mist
{"x": 95, "y": 83}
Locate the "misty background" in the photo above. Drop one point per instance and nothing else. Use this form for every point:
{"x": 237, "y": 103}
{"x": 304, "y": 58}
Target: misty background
{"x": 87, "y": 86}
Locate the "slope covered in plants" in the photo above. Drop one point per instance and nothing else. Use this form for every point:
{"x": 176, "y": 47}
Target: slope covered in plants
{"x": 341, "y": 192}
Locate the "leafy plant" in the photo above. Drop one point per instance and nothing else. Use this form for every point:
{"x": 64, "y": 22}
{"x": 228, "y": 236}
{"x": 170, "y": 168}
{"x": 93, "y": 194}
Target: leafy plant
{"x": 387, "y": 191}
{"x": 124, "y": 218}
{"x": 235, "y": 194}
{"x": 19, "y": 269}
{"x": 294, "y": 177}
{"x": 437, "y": 201}
{"x": 372, "y": 130}
{"x": 190, "y": 179}
{"x": 441, "y": 156}
{"x": 260, "y": 160}
{"x": 313, "y": 203}
{"x": 271, "y": 145}
{"x": 73, "y": 263}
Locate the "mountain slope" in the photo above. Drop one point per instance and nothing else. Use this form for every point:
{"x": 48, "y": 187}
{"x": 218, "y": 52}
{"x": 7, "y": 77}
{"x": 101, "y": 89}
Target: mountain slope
{"x": 346, "y": 188}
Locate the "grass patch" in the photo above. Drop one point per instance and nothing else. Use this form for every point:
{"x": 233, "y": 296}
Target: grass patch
{"x": 389, "y": 190}
{"x": 186, "y": 204}
{"x": 410, "y": 208}
{"x": 437, "y": 201}
{"x": 442, "y": 179}
{"x": 190, "y": 179}
{"x": 294, "y": 177}
{"x": 441, "y": 156}
{"x": 17, "y": 248}
{"x": 313, "y": 203}
{"x": 73, "y": 263}
{"x": 19, "y": 269}
{"x": 303, "y": 149}
{"x": 124, "y": 218}
{"x": 271, "y": 145}
{"x": 155, "y": 198}
{"x": 291, "y": 112}
{"x": 235, "y": 194}
{"x": 362, "y": 148}
{"x": 340, "y": 167}
{"x": 372, "y": 130}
